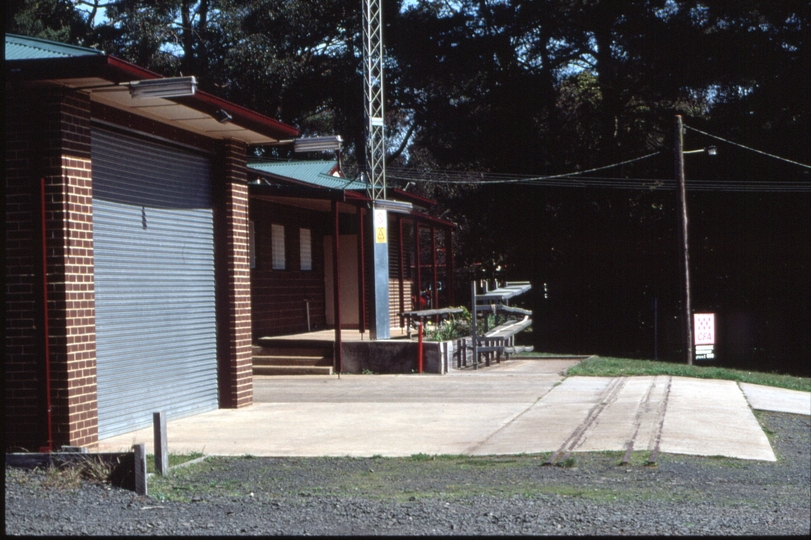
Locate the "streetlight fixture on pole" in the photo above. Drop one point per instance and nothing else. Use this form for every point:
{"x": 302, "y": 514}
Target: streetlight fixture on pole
{"x": 681, "y": 193}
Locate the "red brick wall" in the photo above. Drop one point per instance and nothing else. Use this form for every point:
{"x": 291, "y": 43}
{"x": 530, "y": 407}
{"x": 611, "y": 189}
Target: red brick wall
{"x": 48, "y": 136}
{"x": 277, "y": 296}
{"x": 23, "y": 384}
{"x": 234, "y": 278}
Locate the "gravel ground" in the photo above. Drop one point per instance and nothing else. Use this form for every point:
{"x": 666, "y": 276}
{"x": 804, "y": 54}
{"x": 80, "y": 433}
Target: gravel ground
{"x": 683, "y": 495}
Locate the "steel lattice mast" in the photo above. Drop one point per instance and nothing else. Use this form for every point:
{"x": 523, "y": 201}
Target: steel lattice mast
{"x": 373, "y": 95}
{"x": 379, "y": 326}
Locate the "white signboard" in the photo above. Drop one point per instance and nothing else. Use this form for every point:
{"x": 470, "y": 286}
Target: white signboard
{"x": 704, "y": 324}
{"x": 704, "y": 335}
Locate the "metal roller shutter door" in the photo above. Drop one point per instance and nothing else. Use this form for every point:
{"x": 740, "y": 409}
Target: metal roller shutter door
{"x": 153, "y": 229}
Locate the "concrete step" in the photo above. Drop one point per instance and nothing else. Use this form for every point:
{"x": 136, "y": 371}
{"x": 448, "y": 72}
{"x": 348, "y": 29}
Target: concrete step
{"x": 287, "y": 360}
{"x": 299, "y": 351}
{"x": 292, "y": 370}
{"x": 282, "y": 343}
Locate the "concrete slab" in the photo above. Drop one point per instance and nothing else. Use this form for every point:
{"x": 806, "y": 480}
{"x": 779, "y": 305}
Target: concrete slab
{"x": 548, "y": 423}
{"x": 683, "y": 416}
{"x": 768, "y": 398}
{"x": 709, "y": 417}
{"x": 520, "y": 406}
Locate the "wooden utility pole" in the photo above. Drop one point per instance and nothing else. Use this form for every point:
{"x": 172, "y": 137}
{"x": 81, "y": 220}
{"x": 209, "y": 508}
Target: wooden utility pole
{"x": 681, "y": 193}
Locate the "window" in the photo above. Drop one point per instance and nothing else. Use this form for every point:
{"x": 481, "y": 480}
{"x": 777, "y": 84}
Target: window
{"x": 277, "y": 247}
{"x": 252, "y": 244}
{"x": 305, "y": 241}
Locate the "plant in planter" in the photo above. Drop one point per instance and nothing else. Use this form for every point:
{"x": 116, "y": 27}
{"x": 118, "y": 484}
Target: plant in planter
{"x": 455, "y": 327}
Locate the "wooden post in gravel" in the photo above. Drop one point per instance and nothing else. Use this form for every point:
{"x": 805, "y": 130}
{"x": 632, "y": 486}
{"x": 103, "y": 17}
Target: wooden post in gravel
{"x": 140, "y": 468}
{"x": 161, "y": 445}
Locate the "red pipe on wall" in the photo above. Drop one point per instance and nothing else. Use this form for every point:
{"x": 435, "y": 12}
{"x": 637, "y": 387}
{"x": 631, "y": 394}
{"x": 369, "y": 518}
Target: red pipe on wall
{"x": 435, "y": 292}
{"x": 419, "y": 354}
{"x": 336, "y": 283}
{"x": 362, "y": 271}
{"x": 401, "y": 272}
{"x": 419, "y": 273}
{"x": 449, "y": 269}
{"x": 46, "y": 330}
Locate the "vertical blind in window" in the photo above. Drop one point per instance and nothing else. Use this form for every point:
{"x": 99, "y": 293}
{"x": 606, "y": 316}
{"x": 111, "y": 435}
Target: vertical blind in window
{"x": 306, "y": 249}
{"x": 277, "y": 239}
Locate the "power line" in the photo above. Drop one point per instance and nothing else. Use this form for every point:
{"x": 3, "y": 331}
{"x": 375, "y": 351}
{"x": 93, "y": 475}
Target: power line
{"x": 464, "y": 177}
{"x": 575, "y": 180}
{"x": 748, "y": 148}
{"x": 641, "y": 184}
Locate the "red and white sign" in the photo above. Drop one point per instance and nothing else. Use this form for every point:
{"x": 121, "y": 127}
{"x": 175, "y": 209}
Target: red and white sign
{"x": 704, "y": 325}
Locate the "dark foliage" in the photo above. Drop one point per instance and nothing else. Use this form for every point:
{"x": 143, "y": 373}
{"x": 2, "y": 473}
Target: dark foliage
{"x": 541, "y": 87}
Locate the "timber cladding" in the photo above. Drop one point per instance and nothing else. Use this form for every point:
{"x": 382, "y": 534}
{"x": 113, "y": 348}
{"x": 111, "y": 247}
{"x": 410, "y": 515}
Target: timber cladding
{"x": 278, "y": 296}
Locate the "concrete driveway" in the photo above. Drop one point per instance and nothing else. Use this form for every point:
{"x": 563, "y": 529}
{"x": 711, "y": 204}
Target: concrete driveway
{"x": 520, "y": 406}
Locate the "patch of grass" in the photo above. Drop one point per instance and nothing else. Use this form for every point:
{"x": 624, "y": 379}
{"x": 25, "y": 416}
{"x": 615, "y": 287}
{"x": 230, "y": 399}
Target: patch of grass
{"x": 724, "y": 461}
{"x": 64, "y": 478}
{"x": 426, "y": 477}
{"x": 639, "y": 458}
{"x": 600, "y": 366}
{"x": 174, "y": 460}
{"x": 538, "y": 354}
{"x": 97, "y": 470}
{"x": 436, "y": 457}
{"x": 186, "y": 483}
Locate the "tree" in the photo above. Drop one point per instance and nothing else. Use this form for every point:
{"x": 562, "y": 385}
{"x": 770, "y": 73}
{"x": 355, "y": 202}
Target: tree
{"x": 534, "y": 87}
{"x": 56, "y": 20}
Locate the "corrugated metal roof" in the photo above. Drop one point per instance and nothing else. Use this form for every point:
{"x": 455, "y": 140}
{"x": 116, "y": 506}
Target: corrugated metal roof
{"x": 315, "y": 173}
{"x": 28, "y": 48}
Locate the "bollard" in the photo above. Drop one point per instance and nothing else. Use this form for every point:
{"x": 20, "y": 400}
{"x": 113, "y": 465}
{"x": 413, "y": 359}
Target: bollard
{"x": 419, "y": 354}
{"x": 140, "y": 468}
{"x": 161, "y": 444}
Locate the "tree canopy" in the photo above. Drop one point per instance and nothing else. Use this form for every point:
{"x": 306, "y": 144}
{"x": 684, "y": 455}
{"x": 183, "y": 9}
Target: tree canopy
{"x": 536, "y": 88}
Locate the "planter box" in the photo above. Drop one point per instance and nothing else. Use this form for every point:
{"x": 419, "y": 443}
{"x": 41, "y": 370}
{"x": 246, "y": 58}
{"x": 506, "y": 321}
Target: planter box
{"x": 390, "y": 357}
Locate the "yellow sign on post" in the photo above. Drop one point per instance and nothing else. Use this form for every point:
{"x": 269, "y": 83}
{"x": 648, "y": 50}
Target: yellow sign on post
{"x": 380, "y": 226}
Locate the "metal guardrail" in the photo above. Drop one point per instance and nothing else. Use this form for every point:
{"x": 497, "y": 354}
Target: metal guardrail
{"x": 495, "y": 342}
{"x": 421, "y": 315}
{"x": 501, "y": 339}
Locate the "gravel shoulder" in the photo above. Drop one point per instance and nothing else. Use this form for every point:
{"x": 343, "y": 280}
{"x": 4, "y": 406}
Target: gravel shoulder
{"x": 445, "y": 495}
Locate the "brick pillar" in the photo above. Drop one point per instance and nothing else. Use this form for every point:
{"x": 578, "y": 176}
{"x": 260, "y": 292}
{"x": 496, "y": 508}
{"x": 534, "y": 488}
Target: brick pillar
{"x": 23, "y": 384}
{"x": 233, "y": 278}
{"x": 63, "y": 141}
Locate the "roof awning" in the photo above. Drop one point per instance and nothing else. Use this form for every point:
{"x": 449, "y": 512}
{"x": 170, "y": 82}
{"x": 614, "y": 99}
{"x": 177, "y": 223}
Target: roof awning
{"x": 104, "y": 77}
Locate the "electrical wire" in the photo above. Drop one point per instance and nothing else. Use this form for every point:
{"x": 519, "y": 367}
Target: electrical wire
{"x": 747, "y": 148}
{"x": 642, "y": 184}
{"x": 575, "y": 180}
{"x": 464, "y": 177}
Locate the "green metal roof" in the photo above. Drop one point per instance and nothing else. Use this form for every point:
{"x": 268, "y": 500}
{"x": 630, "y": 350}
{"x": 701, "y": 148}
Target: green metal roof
{"x": 315, "y": 173}
{"x": 28, "y": 48}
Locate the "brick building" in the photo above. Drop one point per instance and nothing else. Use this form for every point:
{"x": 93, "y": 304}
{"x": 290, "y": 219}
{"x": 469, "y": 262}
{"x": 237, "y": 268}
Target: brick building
{"x": 127, "y": 246}
{"x": 144, "y": 254}
{"x": 295, "y": 208}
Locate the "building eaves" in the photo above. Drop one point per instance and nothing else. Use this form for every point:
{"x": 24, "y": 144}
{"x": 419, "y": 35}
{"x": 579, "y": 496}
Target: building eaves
{"x": 105, "y": 77}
